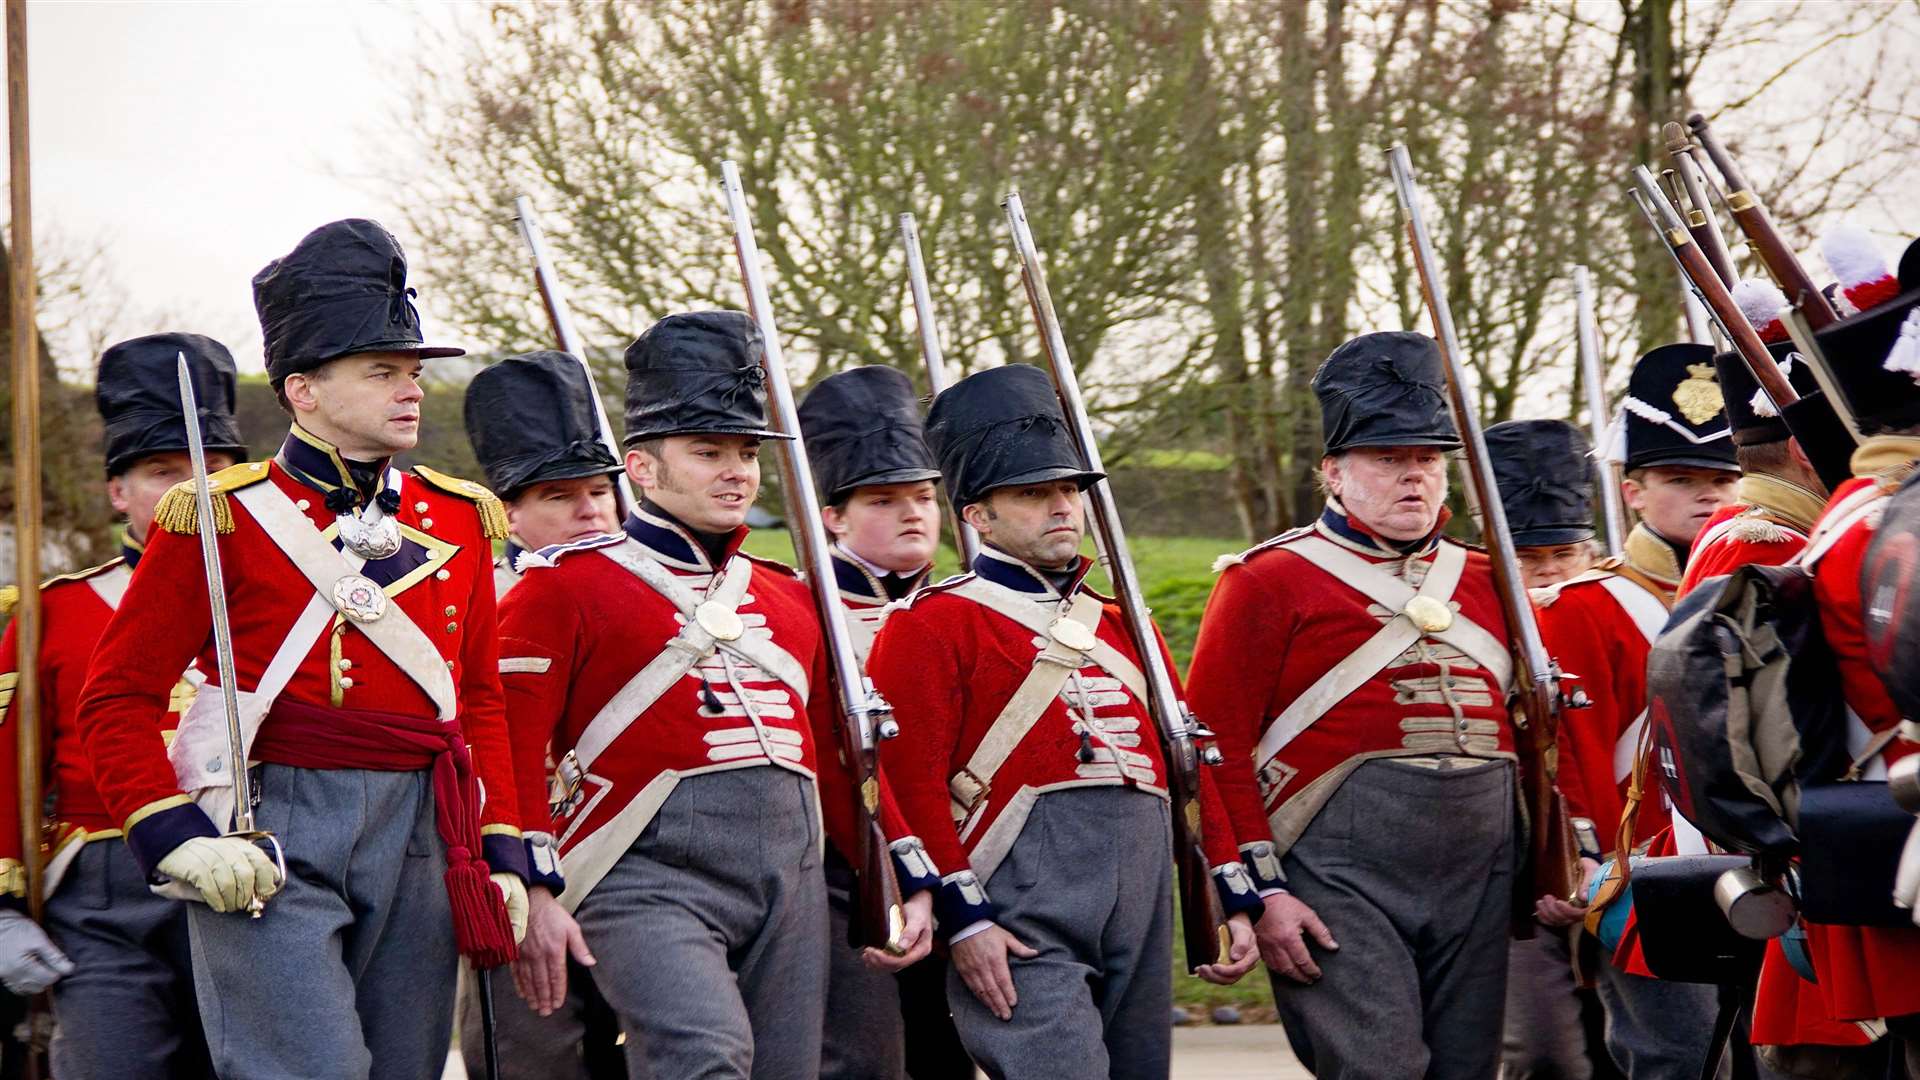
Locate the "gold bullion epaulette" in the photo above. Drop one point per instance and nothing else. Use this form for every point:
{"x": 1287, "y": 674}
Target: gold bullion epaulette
{"x": 10, "y": 594}
{"x": 178, "y": 512}
{"x": 493, "y": 513}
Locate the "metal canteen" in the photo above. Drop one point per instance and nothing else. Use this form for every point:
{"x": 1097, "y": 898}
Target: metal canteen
{"x": 1755, "y": 908}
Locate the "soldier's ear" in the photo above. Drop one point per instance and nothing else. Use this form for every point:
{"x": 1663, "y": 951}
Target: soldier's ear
{"x": 117, "y": 493}
{"x": 978, "y": 515}
{"x": 640, "y": 468}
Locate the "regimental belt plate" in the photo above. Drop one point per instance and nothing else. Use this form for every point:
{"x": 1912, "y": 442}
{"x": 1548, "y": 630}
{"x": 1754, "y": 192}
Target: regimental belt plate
{"x": 720, "y": 621}
{"x": 1430, "y": 615}
{"x": 359, "y": 598}
{"x": 1072, "y": 634}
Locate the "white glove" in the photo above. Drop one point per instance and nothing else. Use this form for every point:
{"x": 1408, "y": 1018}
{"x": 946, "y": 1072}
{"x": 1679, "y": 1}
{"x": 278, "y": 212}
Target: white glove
{"x": 228, "y": 871}
{"x": 29, "y": 961}
{"x": 515, "y": 892}
{"x": 1906, "y": 881}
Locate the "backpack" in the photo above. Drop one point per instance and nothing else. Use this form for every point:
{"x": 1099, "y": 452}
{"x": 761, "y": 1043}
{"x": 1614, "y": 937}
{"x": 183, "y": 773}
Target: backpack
{"x": 1744, "y": 707}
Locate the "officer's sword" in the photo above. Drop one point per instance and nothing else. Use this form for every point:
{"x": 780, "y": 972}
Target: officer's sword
{"x": 243, "y": 826}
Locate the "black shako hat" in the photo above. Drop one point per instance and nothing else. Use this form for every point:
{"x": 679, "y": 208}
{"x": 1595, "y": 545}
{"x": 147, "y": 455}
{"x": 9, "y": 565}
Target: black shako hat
{"x": 863, "y": 427}
{"x": 698, "y": 373}
{"x": 530, "y": 418}
{"x": 1750, "y": 412}
{"x": 341, "y": 290}
{"x": 1545, "y": 476}
{"x": 138, "y": 394}
{"x": 1875, "y": 356}
{"x": 1385, "y": 389}
{"x": 1674, "y": 413}
{"x": 1001, "y": 427}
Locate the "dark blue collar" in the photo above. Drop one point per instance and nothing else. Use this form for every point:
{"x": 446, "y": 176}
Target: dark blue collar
{"x": 673, "y": 543}
{"x": 316, "y": 463}
{"x": 131, "y": 550}
{"x": 1334, "y": 520}
{"x": 855, "y": 579}
{"x": 1003, "y": 569}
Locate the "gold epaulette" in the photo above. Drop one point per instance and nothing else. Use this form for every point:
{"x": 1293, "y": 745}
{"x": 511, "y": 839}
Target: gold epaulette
{"x": 10, "y": 594}
{"x": 493, "y": 513}
{"x": 178, "y": 512}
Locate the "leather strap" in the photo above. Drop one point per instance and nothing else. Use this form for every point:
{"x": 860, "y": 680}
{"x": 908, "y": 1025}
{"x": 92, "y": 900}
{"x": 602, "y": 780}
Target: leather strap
{"x": 1045, "y": 679}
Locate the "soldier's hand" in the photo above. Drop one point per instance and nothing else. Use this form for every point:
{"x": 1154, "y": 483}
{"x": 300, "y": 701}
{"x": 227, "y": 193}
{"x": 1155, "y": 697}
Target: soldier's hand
{"x": 1906, "y": 881}
{"x": 916, "y": 936}
{"x": 514, "y": 892}
{"x": 29, "y": 960}
{"x": 1282, "y": 933}
{"x": 1242, "y": 951}
{"x": 1560, "y": 911}
{"x": 540, "y": 974}
{"x": 229, "y": 871}
{"x": 981, "y": 961}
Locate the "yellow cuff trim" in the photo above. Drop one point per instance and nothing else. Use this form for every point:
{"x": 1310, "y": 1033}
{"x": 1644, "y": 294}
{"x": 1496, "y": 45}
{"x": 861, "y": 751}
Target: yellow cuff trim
{"x": 499, "y": 830}
{"x": 153, "y": 808}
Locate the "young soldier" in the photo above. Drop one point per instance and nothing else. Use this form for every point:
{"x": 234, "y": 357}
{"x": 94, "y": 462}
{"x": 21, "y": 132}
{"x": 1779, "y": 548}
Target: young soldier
{"x": 366, "y": 671}
{"x": 1864, "y": 974}
{"x": 1055, "y": 883}
{"x": 682, "y": 687}
{"x": 125, "y": 1006}
{"x": 1546, "y": 486}
{"x": 1357, "y": 672}
{"x": 532, "y": 425}
{"x": 866, "y": 440}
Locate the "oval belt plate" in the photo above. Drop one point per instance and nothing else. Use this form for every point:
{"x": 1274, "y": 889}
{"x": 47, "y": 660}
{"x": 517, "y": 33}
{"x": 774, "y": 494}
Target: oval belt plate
{"x": 1430, "y": 615}
{"x": 1073, "y": 635}
{"x": 359, "y": 598}
{"x": 717, "y": 620}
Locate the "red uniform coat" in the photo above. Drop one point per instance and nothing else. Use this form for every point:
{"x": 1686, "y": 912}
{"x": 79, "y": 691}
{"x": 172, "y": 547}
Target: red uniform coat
{"x": 1276, "y": 623}
{"x": 442, "y": 579}
{"x": 1766, "y": 528}
{"x": 949, "y": 665}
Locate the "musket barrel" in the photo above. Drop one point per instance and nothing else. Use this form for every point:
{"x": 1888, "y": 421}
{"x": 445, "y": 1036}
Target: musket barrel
{"x": 1599, "y": 415}
{"x": 1700, "y": 221}
{"x": 22, "y": 301}
{"x": 1767, "y": 243}
{"x": 966, "y": 540}
{"x": 560, "y": 315}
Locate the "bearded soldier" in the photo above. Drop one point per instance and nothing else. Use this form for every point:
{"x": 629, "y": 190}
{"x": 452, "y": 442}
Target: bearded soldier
{"x": 1030, "y": 766}
{"x": 124, "y": 1003}
{"x": 1357, "y": 672}
{"x": 681, "y": 687}
{"x": 876, "y": 478}
{"x": 533, "y": 428}
{"x": 362, "y": 614}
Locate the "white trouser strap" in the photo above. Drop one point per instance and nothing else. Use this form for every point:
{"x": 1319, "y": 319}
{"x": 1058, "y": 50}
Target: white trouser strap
{"x": 1045, "y": 679}
{"x": 1370, "y": 659}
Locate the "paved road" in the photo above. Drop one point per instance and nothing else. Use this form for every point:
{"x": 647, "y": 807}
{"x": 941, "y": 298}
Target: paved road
{"x": 1249, "y": 1052}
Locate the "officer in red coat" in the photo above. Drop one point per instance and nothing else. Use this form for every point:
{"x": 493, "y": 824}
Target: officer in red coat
{"x": 866, "y": 440}
{"x": 1357, "y": 671}
{"x": 533, "y": 428}
{"x": 1030, "y": 767}
{"x": 361, "y": 604}
{"x": 681, "y": 688}
{"x": 118, "y": 958}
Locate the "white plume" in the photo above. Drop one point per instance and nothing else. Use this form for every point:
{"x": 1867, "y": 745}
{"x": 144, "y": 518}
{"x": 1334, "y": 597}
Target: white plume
{"x": 1905, "y": 354}
{"x": 1852, "y": 255}
{"x": 1759, "y": 301}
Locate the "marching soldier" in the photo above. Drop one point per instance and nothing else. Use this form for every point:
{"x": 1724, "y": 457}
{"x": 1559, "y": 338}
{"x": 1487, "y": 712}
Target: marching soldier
{"x": 866, "y": 440}
{"x": 1864, "y": 974}
{"x": 532, "y": 425}
{"x": 124, "y": 1002}
{"x": 362, "y": 614}
{"x": 1030, "y": 767}
{"x": 681, "y": 687}
{"x": 1357, "y": 671}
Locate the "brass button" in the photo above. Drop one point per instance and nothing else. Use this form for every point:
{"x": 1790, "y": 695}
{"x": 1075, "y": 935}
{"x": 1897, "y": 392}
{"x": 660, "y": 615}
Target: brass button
{"x": 346, "y": 664}
{"x": 302, "y": 504}
{"x": 426, "y": 523}
{"x": 442, "y": 575}
{"x": 449, "y": 665}
{"x": 450, "y": 611}
{"x": 420, "y": 507}
{"x": 346, "y": 682}
{"x": 452, "y": 626}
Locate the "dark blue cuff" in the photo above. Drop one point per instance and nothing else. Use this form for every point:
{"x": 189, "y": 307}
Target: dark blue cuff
{"x": 543, "y": 863}
{"x": 913, "y": 867}
{"x": 1263, "y": 865}
{"x": 157, "y": 834}
{"x": 505, "y": 854}
{"x": 1237, "y": 891}
{"x": 961, "y": 902}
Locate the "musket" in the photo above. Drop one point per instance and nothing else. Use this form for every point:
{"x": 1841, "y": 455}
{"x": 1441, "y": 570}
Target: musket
{"x": 1700, "y": 221}
{"x": 1599, "y": 415}
{"x": 1537, "y": 686}
{"x": 1201, "y": 915}
{"x": 1766, "y": 240}
{"x": 867, "y": 717}
{"x": 243, "y": 825}
{"x": 1707, "y": 285}
{"x": 561, "y": 317}
{"x": 966, "y": 541}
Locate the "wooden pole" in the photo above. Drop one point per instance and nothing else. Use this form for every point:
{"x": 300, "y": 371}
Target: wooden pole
{"x": 26, "y": 454}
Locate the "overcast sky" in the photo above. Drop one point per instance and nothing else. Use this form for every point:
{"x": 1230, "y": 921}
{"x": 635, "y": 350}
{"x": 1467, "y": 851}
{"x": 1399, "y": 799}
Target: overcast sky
{"x": 196, "y": 141}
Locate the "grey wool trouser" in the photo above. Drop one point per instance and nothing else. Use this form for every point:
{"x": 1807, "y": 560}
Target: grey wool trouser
{"x": 1089, "y": 884}
{"x": 350, "y": 972}
{"x": 127, "y": 1012}
{"x": 1544, "y": 1039}
{"x": 1412, "y": 871}
{"x": 1657, "y": 1029}
{"x": 864, "y": 1036}
{"x": 711, "y": 931}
